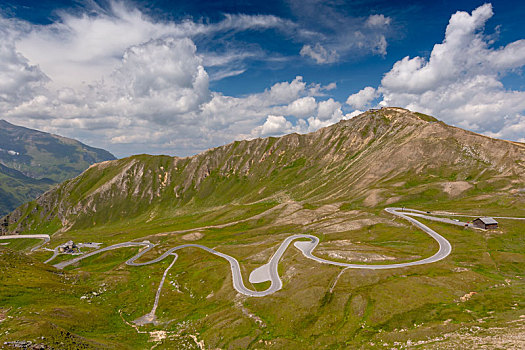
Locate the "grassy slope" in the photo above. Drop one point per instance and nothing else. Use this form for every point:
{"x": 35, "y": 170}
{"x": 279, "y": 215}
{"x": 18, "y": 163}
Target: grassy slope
{"x": 16, "y": 188}
{"x": 365, "y": 308}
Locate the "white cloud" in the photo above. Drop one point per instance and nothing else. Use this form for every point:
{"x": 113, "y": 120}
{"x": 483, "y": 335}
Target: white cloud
{"x": 302, "y": 107}
{"x": 513, "y": 129}
{"x": 464, "y": 51}
{"x": 226, "y": 73}
{"x": 120, "y": 80}
{"x": 330, "y": 86}
{"x": 163, "y": 76}
{"x": 377, "y": 21}
{"x": 362, "y": 98}
{"x": 461, "y": 81}
{"x": 156, "y": 80}
{"x": 319, "y": 53}
{"x": 283, "y": 92}
{"x": 353, "y": 114}
{"x": 329, "y": 110}
{"x": 19, "y": 80}
{"x": 80, "y": 49}
{"x": 274, "y": 124}
{"x": 510, "y": 56}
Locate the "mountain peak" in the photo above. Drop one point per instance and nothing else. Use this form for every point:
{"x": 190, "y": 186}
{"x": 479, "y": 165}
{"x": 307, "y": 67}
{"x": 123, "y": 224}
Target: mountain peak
{"x": 371, "y": 153}
{"x": 398, "y": 112}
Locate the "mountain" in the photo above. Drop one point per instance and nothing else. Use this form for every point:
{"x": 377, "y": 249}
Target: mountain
{"x": 39, "y": 154}
{"x": 16, "y": 188}
{"x": 244, "y": 200}
{"x": 378, "y": 158}
{"x": 32, "y": 161}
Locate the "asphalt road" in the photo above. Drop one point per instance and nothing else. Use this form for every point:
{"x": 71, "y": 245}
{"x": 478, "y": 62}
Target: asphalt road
{"x": 269, "y": 272}
{"x": 45, "y": 239}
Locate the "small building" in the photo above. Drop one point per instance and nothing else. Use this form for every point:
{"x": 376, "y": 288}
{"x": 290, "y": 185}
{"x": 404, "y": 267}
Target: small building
{"x": 486, "y": 223}
{"x": 68, "y": 247}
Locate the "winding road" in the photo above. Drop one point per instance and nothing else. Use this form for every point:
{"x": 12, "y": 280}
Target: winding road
{"x": 269, "y": 272}
{"x": 45, "y": 239}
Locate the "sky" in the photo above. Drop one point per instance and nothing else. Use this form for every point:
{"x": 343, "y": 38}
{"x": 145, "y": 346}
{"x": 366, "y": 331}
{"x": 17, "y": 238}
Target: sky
{"x": 179, "y": 77}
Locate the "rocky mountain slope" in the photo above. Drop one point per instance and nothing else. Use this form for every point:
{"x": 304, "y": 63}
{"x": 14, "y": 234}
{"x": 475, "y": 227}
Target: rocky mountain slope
{"x": 31, "y": 161}
{"x": 378, "y": 158}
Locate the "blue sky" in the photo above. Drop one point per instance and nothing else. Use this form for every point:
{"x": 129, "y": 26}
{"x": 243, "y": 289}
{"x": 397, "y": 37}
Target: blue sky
{"x": 179, "y": 77}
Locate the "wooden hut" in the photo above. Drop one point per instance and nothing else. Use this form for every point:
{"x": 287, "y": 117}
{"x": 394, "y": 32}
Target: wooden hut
{"x": 486, "y": 223}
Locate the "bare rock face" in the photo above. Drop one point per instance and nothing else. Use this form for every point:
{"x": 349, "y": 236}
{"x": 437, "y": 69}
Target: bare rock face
{"x": 365, "y": 158}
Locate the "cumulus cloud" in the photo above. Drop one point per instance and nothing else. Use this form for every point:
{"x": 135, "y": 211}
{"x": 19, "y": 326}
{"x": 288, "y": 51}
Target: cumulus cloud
{"x": 274, "y": 124}
{"x": 155, "y": 80}
{"x": 163, "y": 77}
{"x": 302, "y": 107}
{"x": 19, "y": 80}
{"x": 78, "y": 49}
{"x": 329, "y": 110}
{"x": 461, "y": 81}
{"x": 285, "y": 99}
{"x": 513, "y": 129}
{"x": 120, "y": 80}
{"x": 362, "y": 98}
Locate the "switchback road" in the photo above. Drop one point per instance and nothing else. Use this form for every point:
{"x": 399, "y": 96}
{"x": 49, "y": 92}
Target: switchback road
{"x": 269, "y": 271}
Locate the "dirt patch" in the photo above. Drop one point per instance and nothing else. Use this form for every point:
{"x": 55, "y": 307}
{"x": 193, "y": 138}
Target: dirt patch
{"x": 332, "y": 226}
{"x": 393, "y": 200}
{"x": 511, "y": 336}
{"x": 193, "y": 236}
{"x": 373, "y": 198}
{"x": 157, "y": 335}
{"x": 200, "y": 344}
{"x": 350, "y": 225}
{"x": 289, "y": 274}
{"x": 350, "y": 255}
{"x": 246, "y": 312}
{"x": 455, "y": 188}
{"x": 349, "y": 251}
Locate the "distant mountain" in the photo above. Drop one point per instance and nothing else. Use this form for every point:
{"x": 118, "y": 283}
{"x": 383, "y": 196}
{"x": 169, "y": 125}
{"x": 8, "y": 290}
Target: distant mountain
{"x": 16, "y": 188}
{"x": 39, "y": 154}
{"x": 32, "y": 161}
{"x": 376, "y": 159}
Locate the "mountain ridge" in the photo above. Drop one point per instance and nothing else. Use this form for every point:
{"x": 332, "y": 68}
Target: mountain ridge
{"x": 360, "y": 160}
{"x": 32, "y": 161}
{"x": 24, "y": 149}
